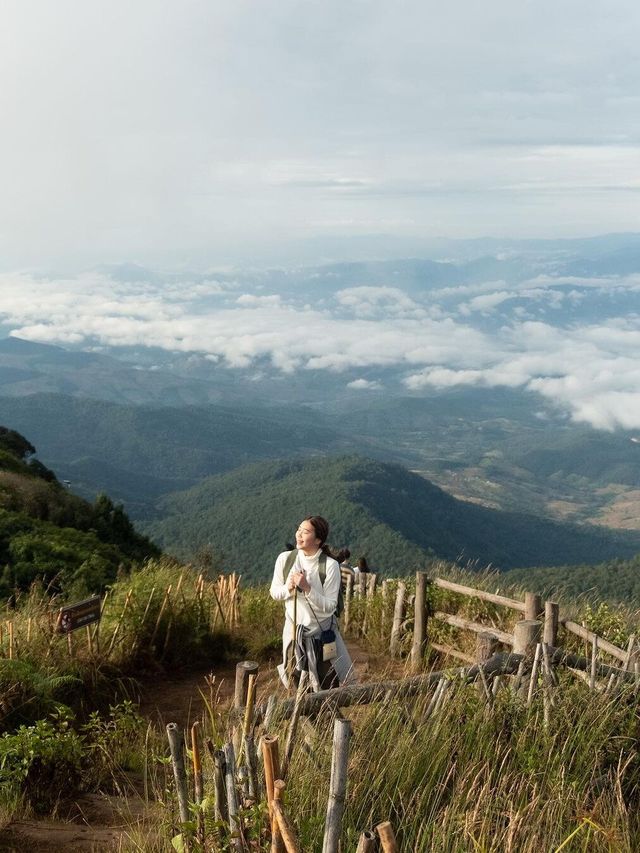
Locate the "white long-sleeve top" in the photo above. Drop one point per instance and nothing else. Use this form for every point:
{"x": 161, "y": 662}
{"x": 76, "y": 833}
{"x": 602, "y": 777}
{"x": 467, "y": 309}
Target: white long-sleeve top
{"x": 323, "y": 599}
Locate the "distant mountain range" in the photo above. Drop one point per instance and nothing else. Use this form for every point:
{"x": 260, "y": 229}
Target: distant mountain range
{"x": 481, "y": 445}
{"x": 396, "y": 518}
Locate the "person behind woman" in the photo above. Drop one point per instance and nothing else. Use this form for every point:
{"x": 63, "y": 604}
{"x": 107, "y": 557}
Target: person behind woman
{"x": 362, "y": 566}
{"x": 311, "y": 604}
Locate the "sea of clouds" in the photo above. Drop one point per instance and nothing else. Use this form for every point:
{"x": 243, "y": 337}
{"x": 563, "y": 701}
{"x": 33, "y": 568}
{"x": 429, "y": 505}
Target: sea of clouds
{"x": 573, "y": 340}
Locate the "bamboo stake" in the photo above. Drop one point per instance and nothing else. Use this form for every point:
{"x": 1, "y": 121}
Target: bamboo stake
{"x": 119, "y": 622}
{"x": 10, "y": 632}
{"x": 271, "y": 763}
{"x": 293, "y": 724}
{"x": 176, "y": 744}
{"x": 286, "y": 830}
{"x": 534, "y": 672}
{"x": 197, "y": 763}
{"x": 143, "y": 620}
{"x": 594, "y": 662}
{"x": 160, "y": 615}
{"x": 337, "y": 786}
{"x": 252, "y": 766}
{"x": 197, "y": 779}
{"x": 387, "y": 838}
{"x": 219, "y": 796}
{"x": 89, "y": 641}
{"x": 248, "y": 711}
{"x": 29, "y": 621}
{"x": 232, "y": 796}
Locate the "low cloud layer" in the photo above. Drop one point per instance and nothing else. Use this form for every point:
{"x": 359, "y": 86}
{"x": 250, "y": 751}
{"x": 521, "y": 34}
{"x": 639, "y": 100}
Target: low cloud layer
{"x": 490, "y": 334}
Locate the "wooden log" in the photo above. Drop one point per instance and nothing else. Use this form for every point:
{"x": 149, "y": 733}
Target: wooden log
{"x": 486, "y": 646}
{"x": 594, "y": 662}
{"x": 479, "y": 593}
{"x": 532, "y": 606}
{"x": 551, "y": 618}
{"x": 526, "y": 635}
{"x": 243, "y": 670}
{"x": 387, "y": 837}
{"x": 394, "y": 645}
{"x": 504, "y": 663}
{"x": 176, "y": 744}
{"x": 366, "y": 843}
{"x": 452, "y": 652}
{"x": 476, "y": 627}
{"x": 337, "y": 786}
{"x": 419, "y": 622}
{"x": 586, "y": 634}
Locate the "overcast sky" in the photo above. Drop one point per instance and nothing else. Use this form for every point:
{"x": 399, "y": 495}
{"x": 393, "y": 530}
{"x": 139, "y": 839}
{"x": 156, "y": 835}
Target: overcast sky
{"x": 184, "y": 132}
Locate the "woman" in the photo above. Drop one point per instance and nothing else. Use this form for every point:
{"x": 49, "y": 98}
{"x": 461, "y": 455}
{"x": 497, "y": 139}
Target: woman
{"x": 307, "y": 579}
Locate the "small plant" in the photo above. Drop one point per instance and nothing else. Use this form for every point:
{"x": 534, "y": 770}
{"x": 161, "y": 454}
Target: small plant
{"x": 41, "y": 760}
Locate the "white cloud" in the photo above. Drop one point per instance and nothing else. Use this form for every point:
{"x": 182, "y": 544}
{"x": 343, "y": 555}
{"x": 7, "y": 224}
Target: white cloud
{"x": 590, "y": 368}
{"x": 365, "y": 385}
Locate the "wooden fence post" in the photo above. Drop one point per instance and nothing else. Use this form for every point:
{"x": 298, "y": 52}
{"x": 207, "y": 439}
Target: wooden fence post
{"x": 526, "y": 636}
{"x": 337, "y": 786}
{"x": 243, "y": 670}
{"x": 486, "y": 646}
{"x": 419, "y": 622}
{"x": 366, "y": 843}
{"x": 551, "y": 619}
{"x": 394, "y": 645}
{"x": 387, "y": 838}
{"x": 348, "y": 596}
{"x": 532, "y": 605}
{"x": 176, "y": 744}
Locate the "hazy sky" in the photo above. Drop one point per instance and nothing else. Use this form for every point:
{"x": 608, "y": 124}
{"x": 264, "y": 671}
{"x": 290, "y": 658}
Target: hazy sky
{"x": 181, "y": 132}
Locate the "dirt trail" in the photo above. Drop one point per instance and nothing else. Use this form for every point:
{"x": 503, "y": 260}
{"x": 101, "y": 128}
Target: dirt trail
{"x": 97, "y": 822}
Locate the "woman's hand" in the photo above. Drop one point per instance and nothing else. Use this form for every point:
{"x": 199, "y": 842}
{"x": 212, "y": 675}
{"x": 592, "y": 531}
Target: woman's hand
{"x": 299, "y": 579}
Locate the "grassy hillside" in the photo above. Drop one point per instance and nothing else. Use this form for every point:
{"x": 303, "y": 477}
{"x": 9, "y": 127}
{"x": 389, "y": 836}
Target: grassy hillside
{"x": 50, "y": 534}
{"x": 398, "y": 519}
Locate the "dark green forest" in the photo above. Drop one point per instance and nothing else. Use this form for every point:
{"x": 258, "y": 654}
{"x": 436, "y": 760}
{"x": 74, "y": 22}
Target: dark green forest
{"x": 49, "y": 534}
{"x": 399, "y": 520}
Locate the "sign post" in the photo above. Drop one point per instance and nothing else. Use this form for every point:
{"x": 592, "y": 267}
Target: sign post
{"x": 74, "y": 616}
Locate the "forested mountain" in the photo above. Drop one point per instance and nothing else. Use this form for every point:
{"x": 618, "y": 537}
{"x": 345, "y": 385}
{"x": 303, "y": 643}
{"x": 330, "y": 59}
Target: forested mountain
{"x": 396, "y": 518}
{"x": 138, "y": 453}
{"x": 50, "y": 534}
{"x": 615, "y": 580}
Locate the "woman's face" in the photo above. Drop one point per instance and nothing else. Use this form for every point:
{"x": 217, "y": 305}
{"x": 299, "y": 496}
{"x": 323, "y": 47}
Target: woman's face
{"x": 306, "y": 538}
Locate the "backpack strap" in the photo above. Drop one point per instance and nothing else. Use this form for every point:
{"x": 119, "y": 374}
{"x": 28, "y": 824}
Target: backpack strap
{"x": 288, "y": 564}
{"x": 322, "y": 568}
